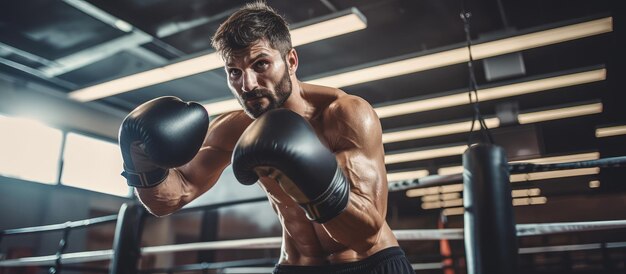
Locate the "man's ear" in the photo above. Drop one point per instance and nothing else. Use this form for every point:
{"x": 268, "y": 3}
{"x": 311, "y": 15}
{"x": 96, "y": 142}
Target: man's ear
{"x": 292, "y": 61}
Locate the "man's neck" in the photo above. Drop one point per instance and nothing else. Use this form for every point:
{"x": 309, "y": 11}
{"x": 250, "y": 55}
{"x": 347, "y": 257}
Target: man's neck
{"x": 297, "y": 102}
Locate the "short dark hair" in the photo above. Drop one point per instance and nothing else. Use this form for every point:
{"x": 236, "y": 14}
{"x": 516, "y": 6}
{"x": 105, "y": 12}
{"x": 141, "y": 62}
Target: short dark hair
{"x": 251, "y": 23}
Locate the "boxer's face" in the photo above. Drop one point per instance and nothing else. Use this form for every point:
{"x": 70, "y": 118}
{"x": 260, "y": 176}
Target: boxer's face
{"x": 259, "y": 77}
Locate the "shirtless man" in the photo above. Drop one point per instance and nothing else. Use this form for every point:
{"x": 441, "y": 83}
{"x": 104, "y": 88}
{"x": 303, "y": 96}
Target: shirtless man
{"x": 316, "y": 151}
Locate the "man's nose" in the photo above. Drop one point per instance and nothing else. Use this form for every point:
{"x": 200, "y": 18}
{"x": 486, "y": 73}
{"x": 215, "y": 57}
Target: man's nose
{"x": 249, "y": 82}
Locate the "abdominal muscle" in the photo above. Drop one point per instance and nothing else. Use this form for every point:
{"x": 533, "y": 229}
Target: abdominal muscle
{"x": 304, "y": 242}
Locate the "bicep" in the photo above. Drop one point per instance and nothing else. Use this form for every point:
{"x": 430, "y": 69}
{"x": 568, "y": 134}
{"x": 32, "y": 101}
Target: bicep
{"x": 359, "y": 150}
{"x": 366, "y": 175}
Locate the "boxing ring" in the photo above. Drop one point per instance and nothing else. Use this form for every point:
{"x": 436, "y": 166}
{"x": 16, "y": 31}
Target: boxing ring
{"x": 487, "y": 204}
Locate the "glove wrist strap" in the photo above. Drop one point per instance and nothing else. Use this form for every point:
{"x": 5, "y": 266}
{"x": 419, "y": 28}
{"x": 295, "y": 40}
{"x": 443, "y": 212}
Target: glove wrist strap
{"x": 145, "y": 179}
{"x": 332, "y": 202}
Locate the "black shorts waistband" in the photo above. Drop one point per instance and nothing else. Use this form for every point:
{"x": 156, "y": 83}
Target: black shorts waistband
{"x": 350, "y": 267}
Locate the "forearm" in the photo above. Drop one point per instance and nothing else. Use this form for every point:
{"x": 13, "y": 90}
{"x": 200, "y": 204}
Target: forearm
{"x": 167, "y": 197}
{"x": 358, "y": 226}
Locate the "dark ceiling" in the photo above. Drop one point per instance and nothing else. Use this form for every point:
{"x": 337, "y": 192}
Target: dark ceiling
{"x": 36, "y": 34}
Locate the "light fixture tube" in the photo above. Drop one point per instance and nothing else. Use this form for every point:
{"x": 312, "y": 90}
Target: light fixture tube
{"x": 610, "y": 131}
{"x": 439, "y": 130}
{"x": 561, "y": 113}
{"x": 406, "y": 175}
{"x": 553, "y": 174}
{"x": 424, "y": 154}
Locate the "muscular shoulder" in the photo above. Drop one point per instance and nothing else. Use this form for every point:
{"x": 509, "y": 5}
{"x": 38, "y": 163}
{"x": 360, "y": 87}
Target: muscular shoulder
{"x": 350, "y": 121}
{"x": 350, "y": 107}
{"x": 224, "y": 131}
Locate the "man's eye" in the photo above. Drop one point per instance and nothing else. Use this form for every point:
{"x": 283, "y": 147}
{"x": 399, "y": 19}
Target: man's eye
{"x": 261, "y": 64}
{"x": 234, "y": 72}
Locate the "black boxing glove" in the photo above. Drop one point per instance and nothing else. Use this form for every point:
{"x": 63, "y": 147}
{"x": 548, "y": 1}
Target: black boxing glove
{"x": 160, "y": 134}
{"x": 281, "y": 144}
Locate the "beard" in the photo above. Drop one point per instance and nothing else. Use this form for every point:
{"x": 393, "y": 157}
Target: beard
{"x": 276, "y": 99}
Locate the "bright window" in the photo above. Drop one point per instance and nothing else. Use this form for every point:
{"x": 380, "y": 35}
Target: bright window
{"x": 29, "y": 150}
{"x": 93, "y": 164}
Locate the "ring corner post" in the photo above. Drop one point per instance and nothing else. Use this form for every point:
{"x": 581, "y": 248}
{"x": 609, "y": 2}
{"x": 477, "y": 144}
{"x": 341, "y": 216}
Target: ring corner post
{"x": 126, "y": 243}
{"x": 489, "y": 223}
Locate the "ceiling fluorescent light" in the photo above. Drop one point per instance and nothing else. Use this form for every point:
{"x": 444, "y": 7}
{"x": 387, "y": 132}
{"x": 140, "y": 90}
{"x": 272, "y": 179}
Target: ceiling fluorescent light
{"x": 340, "y": 23}
{"x": 452, "y": 203}
{"x": 432, "y": 205}
{"x": 424, "y": 154}
{"x": 407, "y": 175}
{"x": 441, "y": 197}
{"x": 610, "y": 131}
{"x": 553, "y": 174}
{"x": 417, "y": 192}
{"x": 120, "y": 85}
{"x": 543, "y": 38}
{"x": 393, "y": 69}
{"x": 453, "y": 211}
{"x": 594, "y": 184}
{"x": 460, "y": 55}
{"x": 563, "y": 159}
{"x": 440, "y": 130}
{"x": 194, "y": 65}
{"x": 538, "y": 200}
{"x": 440, "y": 204}
{"x": 451, "y": 188}
{"x": 449, "y": 170}
{"x": 492, "y": 93}
{"x": 344, "y": 22}
{"x": 431, "y": 198}
{"x": 542, "y": 85}
{"x": 517, "y": 193}
{"x": 554, "y": 114}
{"x": 530, "y": 201}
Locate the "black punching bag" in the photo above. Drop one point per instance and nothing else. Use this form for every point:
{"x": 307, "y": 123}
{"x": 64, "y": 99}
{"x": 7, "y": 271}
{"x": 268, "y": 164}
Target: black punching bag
{"x": 490, "y": 235}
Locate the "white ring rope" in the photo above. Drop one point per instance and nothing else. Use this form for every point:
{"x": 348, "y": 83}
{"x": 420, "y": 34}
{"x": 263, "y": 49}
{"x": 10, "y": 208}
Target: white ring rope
{"x": 257, "y": 243}
{"x": 275, "y": 242}
{"x": 429, "y": 234}
{"x": 68, "y": 258}
{"x": 552, "y": 228}
{"x": 559, "y": 248}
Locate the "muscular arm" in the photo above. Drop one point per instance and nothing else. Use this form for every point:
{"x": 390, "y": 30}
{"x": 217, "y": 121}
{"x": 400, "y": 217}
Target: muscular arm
{"x": 354, "y": 132}
{"x": 187, "y": 182}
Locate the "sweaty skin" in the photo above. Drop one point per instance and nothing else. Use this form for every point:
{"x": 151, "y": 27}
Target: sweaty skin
{"x": 346, "y": 124}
